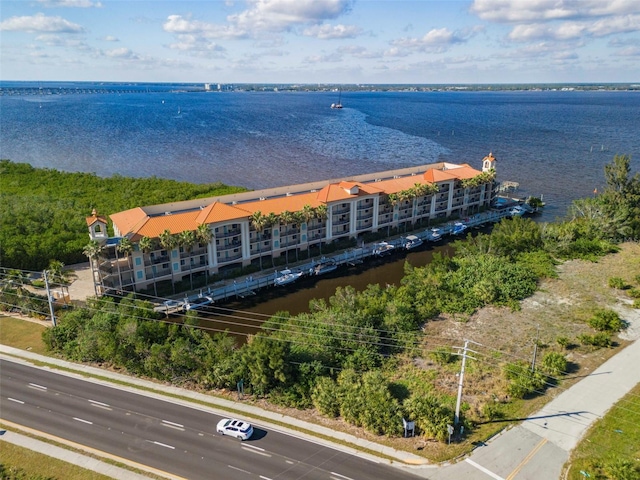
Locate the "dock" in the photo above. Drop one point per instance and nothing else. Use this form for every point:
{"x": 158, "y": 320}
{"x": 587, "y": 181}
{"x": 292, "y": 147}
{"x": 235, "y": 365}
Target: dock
{"x": 243, "y": 287}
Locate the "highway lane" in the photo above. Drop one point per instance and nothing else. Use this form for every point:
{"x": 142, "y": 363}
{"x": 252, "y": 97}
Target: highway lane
{"x": 167, "y": 436}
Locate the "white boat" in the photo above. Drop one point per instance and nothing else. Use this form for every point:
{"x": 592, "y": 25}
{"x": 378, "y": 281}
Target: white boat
{"x": 324, "y": 266}
{"x": 383, "y": 248}
{"x": 435, "y": 235}
{"x": 517, "y": 211}
{"x": 339, "y": 104}
{"x": 285, "y": 277}
{"x": 198, "y": 303}
{"x": 412, "y": 242}
{"x": 458, "y": 228}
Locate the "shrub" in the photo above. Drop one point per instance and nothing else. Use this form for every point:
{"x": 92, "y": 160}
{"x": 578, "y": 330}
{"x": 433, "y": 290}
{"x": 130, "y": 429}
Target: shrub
{"x": 606, "y": 321}
{"x": 564, "y": 342}
{"x": 493, "y": 411}
{"x": 442, "y": 355}
{"x": 554, "y": 364}
{"x": 600, "y": 340}
{"x": 617, "y": 282}
{"x": 522, "y": 381}
{"x": 634, "y": 293}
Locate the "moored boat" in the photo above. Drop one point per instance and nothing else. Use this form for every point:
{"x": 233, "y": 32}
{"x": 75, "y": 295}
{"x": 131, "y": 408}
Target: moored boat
{"x": 285, "y": 277}
{"x": 412, "y": 242}
{"x": 383, "y": 249}
{"x": 458, "y": 228}
{"x": 435, "y": 235}
{"x": 199, "y": 303}
{"x": 325, "y": 266}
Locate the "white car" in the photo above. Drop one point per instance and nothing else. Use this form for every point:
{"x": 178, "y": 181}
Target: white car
{"x": 235, "y": 428}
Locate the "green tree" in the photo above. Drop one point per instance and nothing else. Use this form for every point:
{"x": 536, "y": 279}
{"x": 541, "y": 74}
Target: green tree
{"x": 259, "y": 222}
{"x": 204, "y": 236}
{"x": 169, "y": 241}
{"x": 187, "y": 240}
{"x": 265, "y": 360}
{"x": 93, "y": 250}
{"x": 148, "y": 245}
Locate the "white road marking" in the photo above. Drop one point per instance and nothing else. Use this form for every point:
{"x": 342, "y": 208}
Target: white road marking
{"x": 15, "y": 400}
{"x": 238, "y": 469}
{"x": 176, "y": 426}
{"x": 35, "y": 385}
{"x": 289, "y": 462}
{"x": 482, "y": 469}
{"x": 341, "y": 476}
{"x": 257, "y": 451}
{"x": 264, "y": 478}
{"x": 82, "y": 420}
{"x": 164, "y": 445}
{"x": 104, "y": 406}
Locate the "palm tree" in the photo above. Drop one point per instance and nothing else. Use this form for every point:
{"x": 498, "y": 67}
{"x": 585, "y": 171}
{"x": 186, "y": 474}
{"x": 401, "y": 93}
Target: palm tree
{"x": 93, "y": 250}
{"x": 272, "y": 219}
{"x": 204, "y": 236}
{"x": 321, "y": 213}
{"x": 306, "y": 215}
{"x": 259, "y": 222}
{"x": 169, "y": 241}
{"x": 286, "y": 218}
{"x": 126, "y": 248}
{"x": 187, "y": 239}
{"x": 147, "y": 245}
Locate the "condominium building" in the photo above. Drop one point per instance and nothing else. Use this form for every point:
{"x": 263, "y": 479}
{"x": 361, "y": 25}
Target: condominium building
{"x": 177, "y": 241}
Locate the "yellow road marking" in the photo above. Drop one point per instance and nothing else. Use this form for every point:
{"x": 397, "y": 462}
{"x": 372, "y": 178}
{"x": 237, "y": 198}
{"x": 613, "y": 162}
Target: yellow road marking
{"x": 527, "y": 459}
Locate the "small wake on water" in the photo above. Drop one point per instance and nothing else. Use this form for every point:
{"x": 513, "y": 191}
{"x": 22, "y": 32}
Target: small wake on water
{"x": 347, "y": 135}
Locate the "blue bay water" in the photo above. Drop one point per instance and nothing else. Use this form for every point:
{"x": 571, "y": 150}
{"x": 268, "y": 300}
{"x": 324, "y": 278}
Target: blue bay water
{"x": 553, "y": 143}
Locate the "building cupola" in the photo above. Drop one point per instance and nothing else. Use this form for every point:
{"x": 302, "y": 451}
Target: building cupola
{"x": 97, "y": 226}
{"x": 489, "y": 163}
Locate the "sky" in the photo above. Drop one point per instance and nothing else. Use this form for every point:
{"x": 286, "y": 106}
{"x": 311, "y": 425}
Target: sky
{"x": 321, "y": 41}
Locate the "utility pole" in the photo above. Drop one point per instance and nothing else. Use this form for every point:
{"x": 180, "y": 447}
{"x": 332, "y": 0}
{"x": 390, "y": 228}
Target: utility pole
{"x": 49, "y": 300}
{"x": 535, "y": 351}
{"x": 456, "y": 418}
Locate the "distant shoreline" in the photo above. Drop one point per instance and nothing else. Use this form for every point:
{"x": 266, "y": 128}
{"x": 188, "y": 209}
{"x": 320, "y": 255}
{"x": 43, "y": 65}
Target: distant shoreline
{"x": 20, "y": 87}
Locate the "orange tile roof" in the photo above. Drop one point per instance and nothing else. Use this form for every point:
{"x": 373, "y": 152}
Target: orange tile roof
{"x": 175, "y": 223}
{"x": 294, "y": 203}
{"x": 128, "y": 219}
{"x": 137, "y": 222}
{"x": 464, "y": 171}
{"x": 219, "y": 212}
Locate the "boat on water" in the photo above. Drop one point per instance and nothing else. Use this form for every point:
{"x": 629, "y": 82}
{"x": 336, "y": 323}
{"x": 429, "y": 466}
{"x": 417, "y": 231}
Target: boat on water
{"x": 458, "y": 228}
{"x": 435, "y": 235}
{"x": 412, "y": 242}
{"x": 517, "y": 211}
{"x": 325, "y": 266}
{"x": 285, "y": 277}
{"x": 198, "y": 303}
{"x": 339, "y": 104}
{"x": 383, "y": 249}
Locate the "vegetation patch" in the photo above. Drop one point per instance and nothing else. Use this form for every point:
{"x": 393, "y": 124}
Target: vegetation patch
{"x": 611, "y": 448}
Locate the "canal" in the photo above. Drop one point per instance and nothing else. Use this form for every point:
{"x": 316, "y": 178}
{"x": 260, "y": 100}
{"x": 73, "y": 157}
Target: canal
{"x": 243, "y": 317}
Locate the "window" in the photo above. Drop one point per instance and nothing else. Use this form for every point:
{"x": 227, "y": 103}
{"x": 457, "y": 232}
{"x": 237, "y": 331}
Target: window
{"x": 138, "y": 262}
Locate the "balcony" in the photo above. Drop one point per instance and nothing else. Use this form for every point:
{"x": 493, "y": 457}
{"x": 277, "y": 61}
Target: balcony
{"x": 364, "y": 206}
{"x": 230, "y": 258}
{"x": 341, "y": 222}
{"x": 340, "y": 210}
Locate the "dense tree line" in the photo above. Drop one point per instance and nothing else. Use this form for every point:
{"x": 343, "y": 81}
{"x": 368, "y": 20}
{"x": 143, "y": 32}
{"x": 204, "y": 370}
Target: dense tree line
{"x": 354, "y": 356}
{"x": 43, "y": 211}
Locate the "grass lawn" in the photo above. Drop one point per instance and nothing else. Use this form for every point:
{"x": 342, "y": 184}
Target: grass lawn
{"x": 19, "y": 462}
{"x": 22, "y": 334}
{"x": 611, "y": 448}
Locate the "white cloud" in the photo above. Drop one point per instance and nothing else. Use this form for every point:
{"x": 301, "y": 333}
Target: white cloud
{"x": 40, "y": 23}
{"x": 329, "y": 32}
{"x": 282, "y": 15}
{"x": 177, "y": 24}
{"x": 359, "y": 52}
{"x": 436, "y": 40}
{"x": 533, "y": 11}
{"x": 110, "y": 38}
{"x": 70, "y": 3}
{"x": 122, "y": 53}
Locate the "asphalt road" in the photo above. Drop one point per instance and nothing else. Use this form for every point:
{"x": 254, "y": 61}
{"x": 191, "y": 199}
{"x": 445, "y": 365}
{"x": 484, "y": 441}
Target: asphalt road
{"x": 166, "y": 436}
